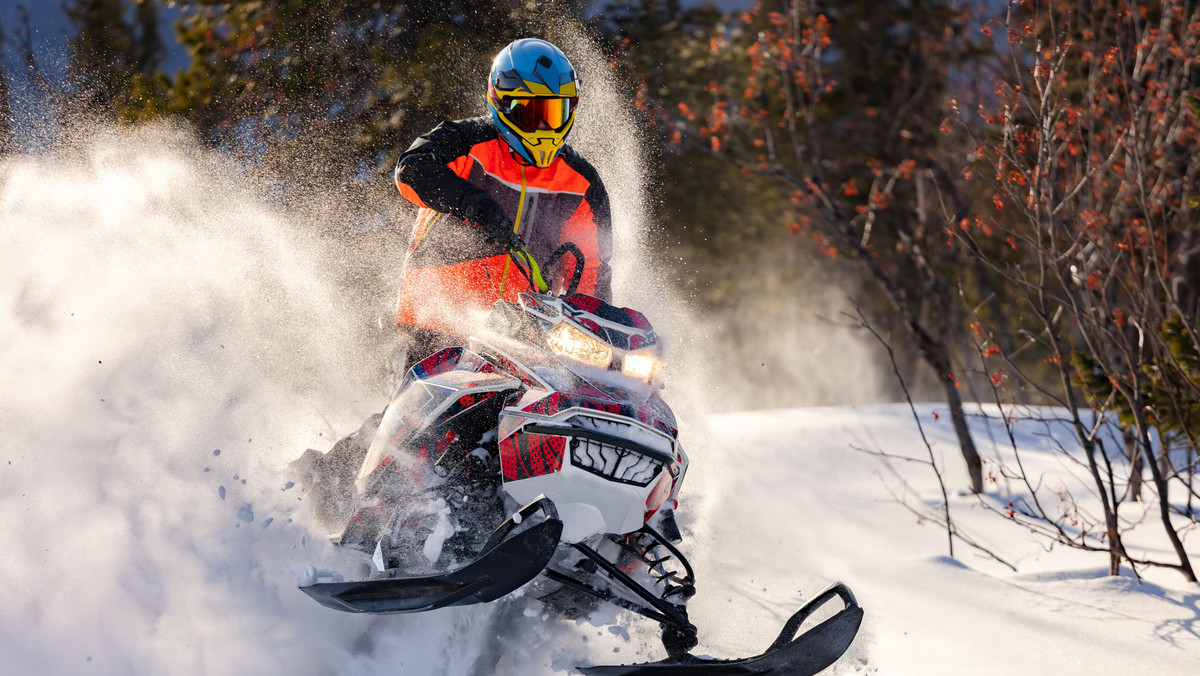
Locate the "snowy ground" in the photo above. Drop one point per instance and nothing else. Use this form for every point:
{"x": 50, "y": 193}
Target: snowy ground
{"x": 833, "y": 516}
{"x": 161, "y": 369}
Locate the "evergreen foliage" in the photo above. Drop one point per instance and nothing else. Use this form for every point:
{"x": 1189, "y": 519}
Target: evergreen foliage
{"x": 6, "y": 130}
{"x": 1169, "y": 390}
{"x": 343, "y": 83}
{"x": 115, "y": 49}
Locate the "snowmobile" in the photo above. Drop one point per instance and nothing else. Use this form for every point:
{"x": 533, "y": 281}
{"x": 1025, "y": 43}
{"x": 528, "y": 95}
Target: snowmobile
{"x": 550, "y": 427}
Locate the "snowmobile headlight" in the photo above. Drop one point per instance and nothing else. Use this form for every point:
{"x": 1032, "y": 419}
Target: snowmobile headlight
{"x": 640, "y": 365}
{"x": 567, "y": 341}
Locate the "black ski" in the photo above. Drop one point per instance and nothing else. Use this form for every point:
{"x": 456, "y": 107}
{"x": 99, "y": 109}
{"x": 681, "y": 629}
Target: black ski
{"x": 803, "y": 655}
{"x": 505, "y": 563}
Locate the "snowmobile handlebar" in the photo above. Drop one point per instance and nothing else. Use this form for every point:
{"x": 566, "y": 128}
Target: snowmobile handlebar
{"x": 577, "y": 273}
{"x": 532, "y": 271}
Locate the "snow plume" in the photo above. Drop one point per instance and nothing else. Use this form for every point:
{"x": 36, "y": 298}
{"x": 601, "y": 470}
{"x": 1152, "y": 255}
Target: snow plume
{"x": 775, "y": 349}
{"x": 786, "y": 345}
{"x": 170, "y": 344}
{"x": 159, "y": 338}
{"x": 610, "y": 135}
{"x": 172, "y": 340}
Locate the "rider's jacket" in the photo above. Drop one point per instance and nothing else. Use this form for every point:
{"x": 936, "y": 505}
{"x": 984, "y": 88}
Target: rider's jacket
{"x": 452, "y": 272}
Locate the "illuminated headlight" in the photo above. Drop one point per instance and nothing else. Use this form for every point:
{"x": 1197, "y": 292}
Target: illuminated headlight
{"x": 640, "y": 366}
{"x": 567, "y": 341}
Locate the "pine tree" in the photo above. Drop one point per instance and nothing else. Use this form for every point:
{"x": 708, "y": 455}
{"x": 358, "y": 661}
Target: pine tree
{"x": 148, "y": 50}
{"x": 101, "y": 60}
{"x": 348, "y": 81}
{"x": 6, "y": 129}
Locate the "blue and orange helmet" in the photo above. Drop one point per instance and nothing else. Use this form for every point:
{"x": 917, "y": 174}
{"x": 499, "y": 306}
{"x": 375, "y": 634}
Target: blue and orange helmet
{"x": 532, "y": 94}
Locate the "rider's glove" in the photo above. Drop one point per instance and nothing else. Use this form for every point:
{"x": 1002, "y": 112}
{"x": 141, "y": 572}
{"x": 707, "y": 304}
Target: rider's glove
{"x": 479, "y": 208}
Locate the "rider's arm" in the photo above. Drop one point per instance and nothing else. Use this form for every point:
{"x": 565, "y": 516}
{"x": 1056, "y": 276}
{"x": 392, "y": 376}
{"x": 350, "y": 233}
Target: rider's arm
{"x": 597, "y": 198}
{"x": 431, "y": 173}
{"x": 591, "y": 228}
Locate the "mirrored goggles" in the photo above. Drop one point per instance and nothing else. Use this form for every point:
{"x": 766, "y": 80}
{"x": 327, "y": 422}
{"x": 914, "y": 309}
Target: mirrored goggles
{"x": 533, "y": 114}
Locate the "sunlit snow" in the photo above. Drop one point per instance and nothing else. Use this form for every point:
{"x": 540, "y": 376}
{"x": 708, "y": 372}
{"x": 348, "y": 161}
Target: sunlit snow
{"x": 170, "y": 343}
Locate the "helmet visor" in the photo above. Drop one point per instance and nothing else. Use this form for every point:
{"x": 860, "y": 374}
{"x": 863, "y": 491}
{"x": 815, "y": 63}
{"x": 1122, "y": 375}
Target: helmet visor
{"x": 534, "y": 114}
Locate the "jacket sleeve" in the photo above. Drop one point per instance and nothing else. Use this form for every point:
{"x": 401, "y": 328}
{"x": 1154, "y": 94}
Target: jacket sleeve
{"x": 589, "y": 227}
{"x": 597, "y": 198}
{"x": 592, "y": 223}
{"x": 424, "y": 173}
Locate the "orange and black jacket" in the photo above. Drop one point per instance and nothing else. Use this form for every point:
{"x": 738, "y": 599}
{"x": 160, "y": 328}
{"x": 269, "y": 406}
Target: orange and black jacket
{"x": 452, "y": 270}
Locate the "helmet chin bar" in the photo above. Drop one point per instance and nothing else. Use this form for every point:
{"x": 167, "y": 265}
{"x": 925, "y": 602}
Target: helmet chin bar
{"x": 529, "y": 155}
{"x": 544, "y": 146}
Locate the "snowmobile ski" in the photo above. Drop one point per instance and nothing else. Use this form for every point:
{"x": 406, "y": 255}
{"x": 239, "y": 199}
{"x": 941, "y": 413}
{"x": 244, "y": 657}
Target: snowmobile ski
{"x": 803, "y": 655}
{"x": 506, "y": 562}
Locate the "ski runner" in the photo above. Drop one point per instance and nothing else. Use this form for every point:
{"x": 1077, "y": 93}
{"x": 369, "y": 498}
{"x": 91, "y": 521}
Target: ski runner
{"x": 489, "y": 186}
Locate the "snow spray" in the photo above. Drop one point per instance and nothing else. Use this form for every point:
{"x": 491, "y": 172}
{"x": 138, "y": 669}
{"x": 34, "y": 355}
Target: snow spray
{"x": 172, "y": 340}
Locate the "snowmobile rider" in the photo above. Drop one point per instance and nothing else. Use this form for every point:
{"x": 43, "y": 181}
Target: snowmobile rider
{"x": 494, "y": 191}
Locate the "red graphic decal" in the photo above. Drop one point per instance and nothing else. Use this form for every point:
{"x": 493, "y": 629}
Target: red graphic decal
{"x": 591, "y": 326}
{"x": 509, "y": 460}
{"x": 659, "y": 495}
{"x": 528, "y": 455}
{"x": 386, "y": 461}
{"x": 583, "y": 302}
{"x": 445, "y": 441}
{"x": 441, "y": 362}
{"x": 637, "y": 319}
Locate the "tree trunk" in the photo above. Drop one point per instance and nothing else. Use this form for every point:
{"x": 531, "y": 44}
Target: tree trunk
{"x": 938, "y": 357}
{"x": 970, "y": 454}
{"x": 1164, "y": 505}
{"x": 1136, "y": 463}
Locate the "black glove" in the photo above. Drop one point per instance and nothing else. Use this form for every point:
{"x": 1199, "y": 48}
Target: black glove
{"x": 479, "y": 208}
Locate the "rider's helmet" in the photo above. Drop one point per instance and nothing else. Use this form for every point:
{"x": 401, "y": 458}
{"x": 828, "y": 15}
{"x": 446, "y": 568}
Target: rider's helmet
{"x": 532, "y": 94}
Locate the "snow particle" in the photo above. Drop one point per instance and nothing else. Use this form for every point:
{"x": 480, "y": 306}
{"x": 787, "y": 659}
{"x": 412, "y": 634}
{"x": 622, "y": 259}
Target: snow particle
{"x": 288, "y": 485}
{"x": 217, "y": 451}
{"x": 267, "y": 523}
{"x": 221, "y": 491}
{"x": 245, "y": 513}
